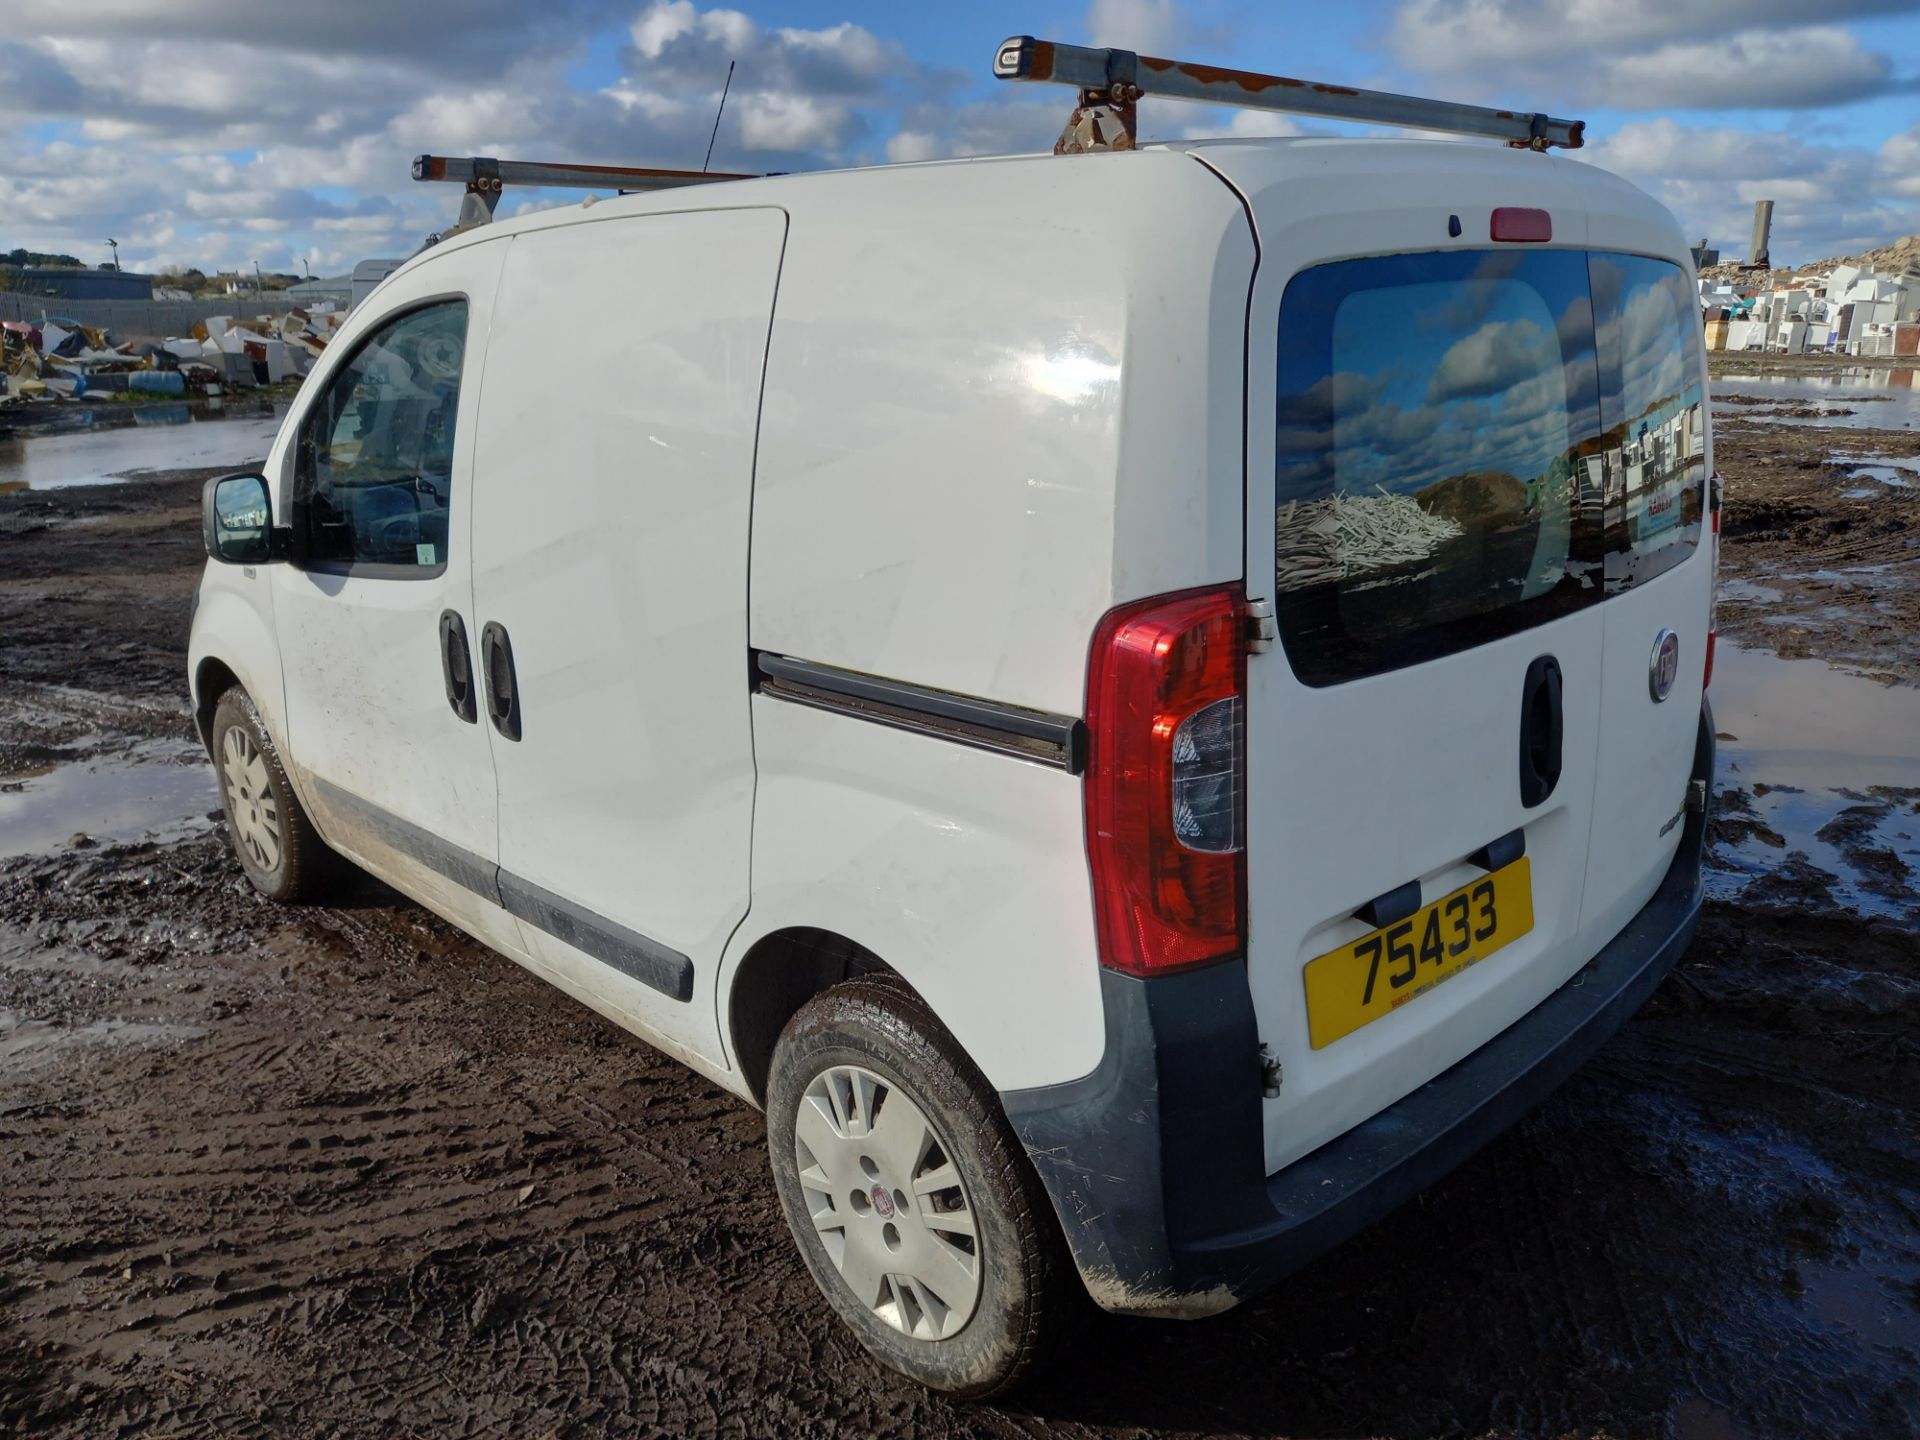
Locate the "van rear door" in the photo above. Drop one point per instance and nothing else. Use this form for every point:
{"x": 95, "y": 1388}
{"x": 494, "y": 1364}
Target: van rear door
{"x": 1435, "y": 434}
{"x": 1421, "y": 744}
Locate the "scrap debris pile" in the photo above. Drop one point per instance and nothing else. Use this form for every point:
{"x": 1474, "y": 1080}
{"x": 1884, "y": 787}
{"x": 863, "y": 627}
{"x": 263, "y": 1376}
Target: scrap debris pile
{"x": 1347, "y": 536}
{"x": 64, "y": 360}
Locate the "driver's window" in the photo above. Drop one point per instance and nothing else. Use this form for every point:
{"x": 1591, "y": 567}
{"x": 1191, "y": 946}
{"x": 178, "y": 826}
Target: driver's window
{"x": 375, "y": 459}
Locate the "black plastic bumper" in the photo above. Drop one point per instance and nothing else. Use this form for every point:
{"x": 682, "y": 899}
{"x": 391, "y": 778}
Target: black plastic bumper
{"x": 1155, "y": 1161}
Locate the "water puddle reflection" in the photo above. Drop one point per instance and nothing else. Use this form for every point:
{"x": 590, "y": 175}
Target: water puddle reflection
{"x": 158, "y": 793}
{"x": 1820, "y": 785}
{"x": 141, "y": 437}
{"x": 1879, "y": 397}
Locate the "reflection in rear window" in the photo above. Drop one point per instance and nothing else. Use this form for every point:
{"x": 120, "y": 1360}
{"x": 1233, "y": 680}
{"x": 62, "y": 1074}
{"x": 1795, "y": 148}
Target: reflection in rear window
{"x": 1462, "y": 452}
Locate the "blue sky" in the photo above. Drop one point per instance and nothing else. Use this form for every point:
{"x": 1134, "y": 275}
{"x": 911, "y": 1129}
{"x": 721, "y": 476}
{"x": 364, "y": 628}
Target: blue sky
{"x": 223, "y": 132}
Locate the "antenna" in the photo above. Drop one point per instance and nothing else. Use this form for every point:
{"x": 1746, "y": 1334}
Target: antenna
{"x": 716, "y": 118}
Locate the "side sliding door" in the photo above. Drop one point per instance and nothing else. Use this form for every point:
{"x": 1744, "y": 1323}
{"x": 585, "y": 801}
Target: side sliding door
{"x": 610, "y": 536}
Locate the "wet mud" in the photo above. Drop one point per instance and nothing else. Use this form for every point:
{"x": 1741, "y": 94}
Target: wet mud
{"x": 343, "y": 1172}
{"x": 1821, "y": 525}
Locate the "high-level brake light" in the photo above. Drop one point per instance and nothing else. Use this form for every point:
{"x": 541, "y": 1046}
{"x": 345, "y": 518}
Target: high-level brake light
{"x": 1520, "y": 224}
{"x": 1166, "y": 779}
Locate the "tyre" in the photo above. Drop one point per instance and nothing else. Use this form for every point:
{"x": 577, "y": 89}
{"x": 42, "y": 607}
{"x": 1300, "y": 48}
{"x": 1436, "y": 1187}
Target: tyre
{"x": 278, "y": 847}
{"x": 912, "y": 1202}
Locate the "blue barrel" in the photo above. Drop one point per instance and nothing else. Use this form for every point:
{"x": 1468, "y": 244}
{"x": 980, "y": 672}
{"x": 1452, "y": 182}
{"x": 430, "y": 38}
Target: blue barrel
{"x": 158, "y": 382}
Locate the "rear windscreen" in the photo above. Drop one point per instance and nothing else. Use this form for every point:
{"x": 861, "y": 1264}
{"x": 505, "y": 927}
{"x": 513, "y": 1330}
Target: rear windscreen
{"x": 1470, "y": 443}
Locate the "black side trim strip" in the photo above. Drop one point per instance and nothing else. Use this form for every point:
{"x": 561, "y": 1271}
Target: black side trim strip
{"x": 1037, "y": 735}
{"x": 628, "y": 951}
{"x": 463, "y": 867}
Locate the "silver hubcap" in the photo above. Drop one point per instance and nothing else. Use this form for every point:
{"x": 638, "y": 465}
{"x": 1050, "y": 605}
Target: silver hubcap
{"x": 887, "y": 1202}
{"x": 256, "y": 819}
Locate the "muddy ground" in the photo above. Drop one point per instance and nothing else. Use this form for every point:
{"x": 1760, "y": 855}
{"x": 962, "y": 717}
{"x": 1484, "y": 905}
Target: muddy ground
{"x": 342, "y": 1172}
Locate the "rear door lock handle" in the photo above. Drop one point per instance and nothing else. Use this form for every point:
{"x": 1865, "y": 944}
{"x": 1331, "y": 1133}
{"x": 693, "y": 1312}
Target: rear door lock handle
{"x": 1542, "y": 729}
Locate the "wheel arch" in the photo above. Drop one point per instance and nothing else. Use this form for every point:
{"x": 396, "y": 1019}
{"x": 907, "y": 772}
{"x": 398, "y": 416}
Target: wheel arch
{"x": 778, "y": 974}
{"x": 212, "y": 678}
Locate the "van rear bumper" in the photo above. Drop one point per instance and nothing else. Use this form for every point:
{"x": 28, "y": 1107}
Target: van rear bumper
{"x": 1154, "y": 1162}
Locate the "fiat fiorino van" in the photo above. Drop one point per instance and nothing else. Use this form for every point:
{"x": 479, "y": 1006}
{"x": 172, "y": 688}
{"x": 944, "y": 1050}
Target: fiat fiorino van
{"x": 1142, "y": 704}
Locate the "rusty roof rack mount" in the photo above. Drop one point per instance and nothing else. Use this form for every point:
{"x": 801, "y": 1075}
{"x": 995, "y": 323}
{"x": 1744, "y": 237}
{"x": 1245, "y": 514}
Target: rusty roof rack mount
{"x": 484, "y": 178}
{"x": 1111, "y": 81}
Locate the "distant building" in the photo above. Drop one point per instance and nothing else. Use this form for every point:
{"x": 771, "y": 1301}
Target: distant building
{"x": 322, "y": 290}
{"x": 66, "y": 284}
{"x": 1704, "y": 255}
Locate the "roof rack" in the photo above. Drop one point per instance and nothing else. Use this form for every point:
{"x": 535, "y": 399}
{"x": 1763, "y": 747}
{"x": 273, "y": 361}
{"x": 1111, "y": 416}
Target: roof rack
{"x": 1110, "y": 81}
{"x": 484, "y": 178}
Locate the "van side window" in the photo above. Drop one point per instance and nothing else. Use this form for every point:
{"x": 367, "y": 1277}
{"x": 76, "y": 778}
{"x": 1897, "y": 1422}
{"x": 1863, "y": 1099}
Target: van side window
{"x": 374, "y": 462}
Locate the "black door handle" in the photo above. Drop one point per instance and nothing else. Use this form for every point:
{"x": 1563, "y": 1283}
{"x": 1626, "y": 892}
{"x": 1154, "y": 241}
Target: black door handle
{"x": 496, "y": 673}
{"x": 456, "y": 666}
{"x": 1541, "y": 726}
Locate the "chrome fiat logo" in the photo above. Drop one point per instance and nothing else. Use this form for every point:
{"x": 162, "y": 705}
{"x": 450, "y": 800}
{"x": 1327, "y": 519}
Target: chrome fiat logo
{"x": 882, "y": 1202}
{"x": 1664, "y": 668}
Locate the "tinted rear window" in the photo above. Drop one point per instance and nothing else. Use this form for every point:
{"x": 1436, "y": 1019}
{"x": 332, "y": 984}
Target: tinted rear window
{"x": 1463, "y": 452}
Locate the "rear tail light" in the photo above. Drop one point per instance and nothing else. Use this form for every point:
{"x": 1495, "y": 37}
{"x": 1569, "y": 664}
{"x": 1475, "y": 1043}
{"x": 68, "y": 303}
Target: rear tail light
{"x": 1713, "y": 598}
{"x": 1166, "y": 781}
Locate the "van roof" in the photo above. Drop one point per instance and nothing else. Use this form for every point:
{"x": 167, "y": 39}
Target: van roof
{"x": 1244, "y": 162}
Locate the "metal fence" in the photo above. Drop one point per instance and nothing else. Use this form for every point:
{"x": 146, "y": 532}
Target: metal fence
{"x": 138, "y": 319}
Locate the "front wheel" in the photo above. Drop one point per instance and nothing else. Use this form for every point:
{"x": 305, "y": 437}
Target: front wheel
{"x": 277, "y": 845}
{"x": 910, "y": 1198}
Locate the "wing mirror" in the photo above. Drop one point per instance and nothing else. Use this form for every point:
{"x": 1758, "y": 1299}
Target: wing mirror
{"x": 236, "y": 519}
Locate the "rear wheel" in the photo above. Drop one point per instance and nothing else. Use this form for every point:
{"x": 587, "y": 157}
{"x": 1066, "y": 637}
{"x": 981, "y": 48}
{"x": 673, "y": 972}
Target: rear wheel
{"x": 278, "y": 847}
{"x": 911, "y": 1200}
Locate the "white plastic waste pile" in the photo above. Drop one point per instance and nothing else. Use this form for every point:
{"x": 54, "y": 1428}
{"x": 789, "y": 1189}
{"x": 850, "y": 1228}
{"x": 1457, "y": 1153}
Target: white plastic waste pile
{"x": 1345, "y": 536}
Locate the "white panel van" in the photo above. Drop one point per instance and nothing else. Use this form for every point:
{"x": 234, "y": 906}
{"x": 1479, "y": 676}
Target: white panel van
{"x": 1143, "y": 705}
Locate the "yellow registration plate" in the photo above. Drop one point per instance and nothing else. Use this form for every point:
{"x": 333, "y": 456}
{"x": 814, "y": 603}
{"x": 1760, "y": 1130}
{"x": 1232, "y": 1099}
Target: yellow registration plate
{"x": 1364, "y": 979}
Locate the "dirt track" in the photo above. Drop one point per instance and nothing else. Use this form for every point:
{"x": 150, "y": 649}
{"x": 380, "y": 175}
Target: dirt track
{"x": 344, "y": 1172}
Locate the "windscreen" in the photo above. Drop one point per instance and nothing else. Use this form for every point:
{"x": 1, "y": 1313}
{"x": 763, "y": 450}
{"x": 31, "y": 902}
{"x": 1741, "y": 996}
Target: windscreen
{"x": 1459, "y": 449}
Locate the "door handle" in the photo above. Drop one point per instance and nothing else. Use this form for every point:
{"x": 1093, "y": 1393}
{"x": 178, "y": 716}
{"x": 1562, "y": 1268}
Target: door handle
{"x": 497, "y": 677}
{"x": 1542, "y": 725}
{"x": 456, "y": 666}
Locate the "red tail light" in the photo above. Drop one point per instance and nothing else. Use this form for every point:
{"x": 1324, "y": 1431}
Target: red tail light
{"x": 1165, "y": 795}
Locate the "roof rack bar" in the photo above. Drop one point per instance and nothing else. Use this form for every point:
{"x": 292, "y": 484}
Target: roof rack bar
{"x": 1111, "y": 80}
{"x": 484, "y": 177}
{"x": 472, "y": 168}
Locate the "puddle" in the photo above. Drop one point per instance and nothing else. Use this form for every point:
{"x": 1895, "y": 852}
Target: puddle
{"x": 1883, "y": 474}
{"x": 112, "y": 801}
{"x": 1747, "y": 592}
{"x": 1831, "y": 762}
{"x": 1881, "y": 398}
{"x": 1873, "y": 1302}
{"x": 142, "y": 437}
{"x": 22, "y": 1039}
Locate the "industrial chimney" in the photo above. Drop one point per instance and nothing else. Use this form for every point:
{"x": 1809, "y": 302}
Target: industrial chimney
{"x": 1757, "y": 257}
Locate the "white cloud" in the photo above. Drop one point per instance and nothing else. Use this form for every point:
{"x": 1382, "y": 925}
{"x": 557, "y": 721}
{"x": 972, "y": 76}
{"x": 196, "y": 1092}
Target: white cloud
{"x": 1151, "y": 27}
{"x": 1243, "y": 125}
{"x": 1830, "y": 199}
{"x": 1438, "y": 34}
{"x": 1647, "y": 54}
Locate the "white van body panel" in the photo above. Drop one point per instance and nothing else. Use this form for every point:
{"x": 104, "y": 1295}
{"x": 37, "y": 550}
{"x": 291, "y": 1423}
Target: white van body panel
{"x": 609, "y": 534}
{"x": 1002, "y": 398}
{"x": 964, "y": 870}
